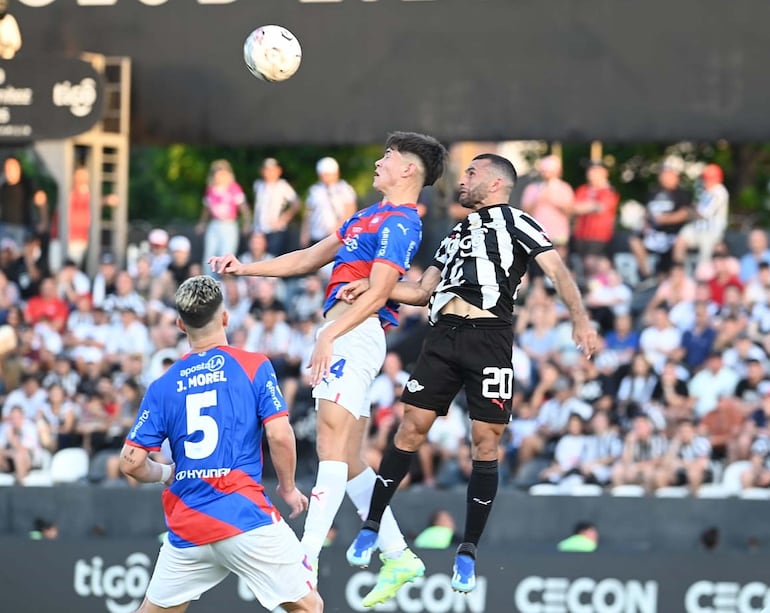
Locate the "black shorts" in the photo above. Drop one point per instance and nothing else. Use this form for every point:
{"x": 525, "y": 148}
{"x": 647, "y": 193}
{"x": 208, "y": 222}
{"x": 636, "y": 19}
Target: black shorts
{"x": 472, "y": 353}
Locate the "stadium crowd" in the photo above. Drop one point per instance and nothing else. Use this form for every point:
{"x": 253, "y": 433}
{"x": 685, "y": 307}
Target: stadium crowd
{"x": 678, "y": 393}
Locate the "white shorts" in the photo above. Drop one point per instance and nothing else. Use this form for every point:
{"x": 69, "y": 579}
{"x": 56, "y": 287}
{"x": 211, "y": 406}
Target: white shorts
{"x": 356, "y": 360}
{"x": 269, "y": 559}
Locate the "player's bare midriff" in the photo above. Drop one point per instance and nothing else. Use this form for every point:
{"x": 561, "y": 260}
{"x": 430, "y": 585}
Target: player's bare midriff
{"x": 458, "y": 306}
{"x": 338, "y": 309}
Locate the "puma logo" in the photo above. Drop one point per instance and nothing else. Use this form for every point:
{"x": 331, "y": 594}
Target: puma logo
{"x": 385, "y": 482}
{"x": 404, "y": 229}
{"x": 484, "y": 502}
{"x": 500, "y": 403}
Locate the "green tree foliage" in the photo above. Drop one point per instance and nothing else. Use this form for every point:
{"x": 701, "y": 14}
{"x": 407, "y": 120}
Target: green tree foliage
{"x": 167, "y": 183}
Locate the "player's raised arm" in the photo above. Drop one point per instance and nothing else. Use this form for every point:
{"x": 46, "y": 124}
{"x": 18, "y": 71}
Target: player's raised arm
{"x": 583, "y": 332}
{"x": 283, "y": 451}
{"x": 299, "y": 262}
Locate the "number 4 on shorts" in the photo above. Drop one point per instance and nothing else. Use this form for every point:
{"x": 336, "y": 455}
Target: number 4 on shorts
{"x": 337, "y": 368}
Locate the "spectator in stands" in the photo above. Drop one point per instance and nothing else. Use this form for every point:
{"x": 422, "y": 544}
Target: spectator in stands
{"x": 723, "y": 276}
{"x": 670, "y": 394}
{"x": 757, "y": 291}
{"x": 309, "y": 302}
{"x": 643, "y": 452}
{"x": 19, "y": 444}
{"x": 272, "y": 336}
{"x": 659, "y": 341}
{"x": 129, "y": 337}
{"x": 29, "y": 397}
{"x": 180, "y": 268}
{"x": 437, "y": 456}
{"x": 23, "y": 207}
{"x": 722, "y": 426}
{"x": 392, "y": 376}
{"x": 594, "y": 386}
{"x": 124, "y": 297}
{"x": 550, "y": 201}
{"x": 623, "y": 340}
{"x": 552, "y": 419}
{"x": 698, "y": 342}
{"x": 47, "y": 305}
{"x": 758, "y": 253}
{"x": 65, "y": 414}
{"x": 607, "y": 295}
{"x": 687, "y": 461}
{"x": 752, "y": 386}
{"x": 568, "y": 453}
{"x": 737, "y": 357}
{"x": 71, "y": 283}
{"x": 330, "y": 201}
{"x": 602, "y": 449}
{"x": 236, "y": 302}
{"x": 709, "y": 384}
{"x": 682, "y": 314}
{"x": 635, "y": 390}
{"x": 759, "y": 473}
{"x": 540, "y": 339}
{"x": 595, "y": 209}
{"x": 668, "y": 209}
{"x": 584, "y": 539}
{"x": 145, "y": 283}
{"x": 160, "y": 257}
{"x": 709, "y": 217}
{"x": 28, "y": 268}
{"x": 275, "y": 205}
{"x": 78, "y": 217}
{"x": 9, "y": 296}
{"x": 676, "y": 288}
{"x": 88, "y": 341}
{"x": 223, "y": 201}
{"x": 523, "y": 425}
{"x": 93, "y": 423}
{"x": 104, "y": 280}
{"x": 62, "y": 375}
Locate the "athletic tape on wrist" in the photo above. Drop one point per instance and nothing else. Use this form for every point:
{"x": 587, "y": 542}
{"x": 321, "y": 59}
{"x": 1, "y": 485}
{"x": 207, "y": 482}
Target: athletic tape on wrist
{"x": 165, "y": 473}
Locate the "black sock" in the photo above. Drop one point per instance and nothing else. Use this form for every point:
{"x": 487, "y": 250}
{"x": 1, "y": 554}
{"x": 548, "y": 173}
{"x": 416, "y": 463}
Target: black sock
{"x": 393, "y": 468}
{"x": 482, "y": 488}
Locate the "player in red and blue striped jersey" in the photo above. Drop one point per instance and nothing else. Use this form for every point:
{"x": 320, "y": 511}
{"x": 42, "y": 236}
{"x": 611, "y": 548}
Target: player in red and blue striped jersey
{"x": 213, "y": 406}
{"x": 377, "y": 243}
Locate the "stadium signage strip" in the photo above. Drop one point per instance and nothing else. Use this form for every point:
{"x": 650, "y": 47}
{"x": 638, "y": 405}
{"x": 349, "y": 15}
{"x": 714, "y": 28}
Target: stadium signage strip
{"x": 101, "y": 3}
{"x": 55, "y": 98}
{"x": 111, "y": 576}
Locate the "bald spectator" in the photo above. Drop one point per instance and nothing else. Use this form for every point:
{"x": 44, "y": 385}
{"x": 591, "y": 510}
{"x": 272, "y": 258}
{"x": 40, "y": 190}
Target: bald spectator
{"x": 550, "y": 201}
{"x": 330, "y": 201}
{"x": 275, "y": 205}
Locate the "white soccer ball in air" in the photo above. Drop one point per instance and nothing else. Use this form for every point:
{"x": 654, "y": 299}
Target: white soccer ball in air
{"x": 272, "y": 53}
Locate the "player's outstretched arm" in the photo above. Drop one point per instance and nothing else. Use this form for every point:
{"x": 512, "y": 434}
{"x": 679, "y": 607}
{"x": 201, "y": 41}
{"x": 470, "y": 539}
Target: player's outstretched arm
{"x": 583, "y": 332}
{"x": 135, "y": 462}
{"x": 300, "y": 262}
{"x": 406, "y": 292}
{"x": 283, "y": 452}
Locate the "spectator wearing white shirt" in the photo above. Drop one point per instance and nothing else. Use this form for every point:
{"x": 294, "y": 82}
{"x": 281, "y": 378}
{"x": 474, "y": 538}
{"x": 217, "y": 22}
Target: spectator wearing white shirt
{"x": 711, "y": 383}
{"x": 643, "y": 453}
{"x": 744, "y": 349}
{"x": 19, "y": 444}
{"x": 129, "y": 337}
{"x": 88, "y": 341}
{"x": 30, "y": 398}
{"x": 104, "y": 280}
{"x": 271, "y": 336}
{"x": 236, "y": 302}
{"x": 687, "y": 461}
{"x": 329, "y": 202}
{"x": 275, "y": 205}
{"x": 392, "y": 375}
{"x": 160, "y": 257}
{"x": 602, "y": 449}
{"x": 758, "y": 253}
{"x": 661, "y": 340}
{"x": 568, "y": 453}
{"x": 710, "y": 217}
{"x": 72, "y": 283}
{"x": 124, "y": 297}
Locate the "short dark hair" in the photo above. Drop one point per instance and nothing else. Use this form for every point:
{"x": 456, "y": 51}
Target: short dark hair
{"x": 502, "y": 164}
{"x": 430, "y": 151}
{"x": 197, "y": 300}
{"x": 582, "y": 526}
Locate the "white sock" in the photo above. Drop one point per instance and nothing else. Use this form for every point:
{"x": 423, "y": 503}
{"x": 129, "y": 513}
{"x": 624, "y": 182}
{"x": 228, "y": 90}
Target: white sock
{"x": 359, "y": 490}
{"x": 325, "y": 500}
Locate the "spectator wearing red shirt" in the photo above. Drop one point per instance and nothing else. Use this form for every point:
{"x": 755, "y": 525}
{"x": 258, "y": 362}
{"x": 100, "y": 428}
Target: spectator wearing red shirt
{"x": 47, "y": 305}
{"x": 724, "y": 275}
{"x": 595, "y": 207}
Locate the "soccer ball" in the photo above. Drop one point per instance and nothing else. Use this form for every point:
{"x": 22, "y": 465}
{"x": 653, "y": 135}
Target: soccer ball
{"x": 272, "y": 53}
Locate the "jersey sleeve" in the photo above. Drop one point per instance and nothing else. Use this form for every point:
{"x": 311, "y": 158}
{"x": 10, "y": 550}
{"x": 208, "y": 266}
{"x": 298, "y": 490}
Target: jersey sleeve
{"x": 530, "y": 235}
{"x": 399, "y": 239}
{"x": 270, "y": 401}
{"x": 148, "y": 431}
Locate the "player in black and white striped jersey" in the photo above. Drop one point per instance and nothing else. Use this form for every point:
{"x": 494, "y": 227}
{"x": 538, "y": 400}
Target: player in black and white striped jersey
{"x": 471, "y": 288}
{"x": 687, "y": 461}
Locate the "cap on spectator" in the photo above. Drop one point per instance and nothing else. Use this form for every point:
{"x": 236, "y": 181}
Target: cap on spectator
{"x": 327, "y": 166}
{"x": 270, "y": 163}
{"x": 179, "y": 243}
{"x": 107, "y": 258}
{"x": 712, "y": 172}
{"x": 158, "y": 237}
